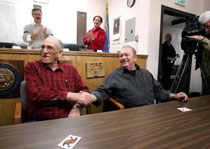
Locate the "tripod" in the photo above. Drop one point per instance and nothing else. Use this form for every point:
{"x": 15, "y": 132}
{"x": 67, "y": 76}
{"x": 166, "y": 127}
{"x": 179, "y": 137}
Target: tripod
{"x": 182, "y": 78}
{"x": 181, "y": 82}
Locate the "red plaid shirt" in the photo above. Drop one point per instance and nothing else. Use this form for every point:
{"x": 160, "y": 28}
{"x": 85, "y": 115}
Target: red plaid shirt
{"x": 98, "y": 42}
{"x": 43, "y": 85}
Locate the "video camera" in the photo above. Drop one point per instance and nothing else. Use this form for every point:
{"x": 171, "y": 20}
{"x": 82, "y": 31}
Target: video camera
{"x": 192, "y": 27}
{"x": 190, "y": 46}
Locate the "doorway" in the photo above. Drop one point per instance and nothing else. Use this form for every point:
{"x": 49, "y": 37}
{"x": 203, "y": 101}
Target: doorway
{"x": 173, "y": 22}
{"x": 81, "y": 26}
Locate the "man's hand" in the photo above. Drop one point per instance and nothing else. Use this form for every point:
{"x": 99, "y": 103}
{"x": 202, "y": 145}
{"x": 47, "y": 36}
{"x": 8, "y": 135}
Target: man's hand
{"x": 83, "y": 98}
{"x": 74, "y": 113}
{"x": 43, "y": 30}
{"x": 86, "y": 98}
{"x": 179, "y": 96}
{"x": 198, "y": 37}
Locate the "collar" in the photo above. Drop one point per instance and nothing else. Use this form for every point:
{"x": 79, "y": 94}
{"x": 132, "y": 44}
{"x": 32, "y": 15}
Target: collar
{"x": 124, "y": 70}
{"x": 60, "y": 67}
{"x": 96, "y": 29}
{"x": 34, "y": 24}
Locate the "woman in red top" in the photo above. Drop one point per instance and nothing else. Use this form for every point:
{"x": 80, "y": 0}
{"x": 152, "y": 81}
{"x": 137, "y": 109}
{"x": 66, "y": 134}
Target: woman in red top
{"x": 95, "y": 38}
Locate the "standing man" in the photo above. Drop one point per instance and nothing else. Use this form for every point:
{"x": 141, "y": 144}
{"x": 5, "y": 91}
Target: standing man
{"x": 168, "y": 58}
{"x": 52, "y": 86}
{"x": 95, "y": 38}
{"x": 36, "y": 33}
{"x": 204, "y": 19}
{"x": 131, "y": 85}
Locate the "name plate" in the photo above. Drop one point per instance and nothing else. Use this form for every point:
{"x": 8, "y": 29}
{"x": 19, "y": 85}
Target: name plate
{"x": 95, "y": 69}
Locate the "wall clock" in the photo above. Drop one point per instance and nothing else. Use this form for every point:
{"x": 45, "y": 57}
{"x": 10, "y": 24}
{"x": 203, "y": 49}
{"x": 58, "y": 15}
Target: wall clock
{"x": 130, "y": 3}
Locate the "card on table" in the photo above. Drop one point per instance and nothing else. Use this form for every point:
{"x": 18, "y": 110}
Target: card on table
{"x": 69, "y": 142}
{"x": 184, "y": 109}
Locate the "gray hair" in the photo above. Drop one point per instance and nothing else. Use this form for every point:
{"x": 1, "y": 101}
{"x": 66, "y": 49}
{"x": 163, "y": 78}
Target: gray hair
{"x": 60, "y": 44}
{"x": 128, "y": 46}
{"x": 204, "y": 17}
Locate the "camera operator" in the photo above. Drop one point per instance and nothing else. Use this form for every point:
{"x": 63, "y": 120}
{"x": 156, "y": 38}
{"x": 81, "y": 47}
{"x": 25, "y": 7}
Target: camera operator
{"x": 205, "y": 62}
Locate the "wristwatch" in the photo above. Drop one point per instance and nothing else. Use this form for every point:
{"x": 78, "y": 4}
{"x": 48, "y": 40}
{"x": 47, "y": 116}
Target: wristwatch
{"x": 77, "y": 106}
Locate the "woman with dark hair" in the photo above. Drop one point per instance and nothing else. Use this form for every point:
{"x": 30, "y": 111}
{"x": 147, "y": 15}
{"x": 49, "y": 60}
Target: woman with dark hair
{"x": 95, "y": 38}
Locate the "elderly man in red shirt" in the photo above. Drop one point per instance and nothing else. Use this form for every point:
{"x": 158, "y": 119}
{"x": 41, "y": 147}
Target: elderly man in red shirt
{"x": 95, "y": 38}
{"x": 52, "y": 86}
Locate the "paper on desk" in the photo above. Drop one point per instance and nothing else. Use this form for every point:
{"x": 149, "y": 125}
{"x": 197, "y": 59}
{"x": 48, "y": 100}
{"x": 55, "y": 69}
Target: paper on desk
{"x": 184, "y": 109}
{"x": 69, "y": 142}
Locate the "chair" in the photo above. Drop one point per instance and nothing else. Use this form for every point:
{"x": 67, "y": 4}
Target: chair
{"x": 7, "y": 45}
{"x": 112, "y": 105}
{"x": 18, "y": 113}
{"x": 74, "y": 47}
{"x": 20, "y": 110}
{"x": 23, "y": 97}
{"x": 117, "y": 104}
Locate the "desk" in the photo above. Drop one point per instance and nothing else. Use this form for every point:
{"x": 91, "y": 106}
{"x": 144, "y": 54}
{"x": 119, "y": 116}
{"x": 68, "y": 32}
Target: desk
{"x": 153, "y": 126}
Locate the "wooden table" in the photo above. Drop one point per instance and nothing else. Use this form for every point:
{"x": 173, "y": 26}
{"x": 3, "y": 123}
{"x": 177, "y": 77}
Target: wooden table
{"x": 153, "y": 126}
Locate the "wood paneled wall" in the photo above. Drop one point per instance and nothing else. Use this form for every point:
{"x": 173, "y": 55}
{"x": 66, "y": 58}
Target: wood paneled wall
{"x": 7, "y": 110}
{"x": 78, "y": 59}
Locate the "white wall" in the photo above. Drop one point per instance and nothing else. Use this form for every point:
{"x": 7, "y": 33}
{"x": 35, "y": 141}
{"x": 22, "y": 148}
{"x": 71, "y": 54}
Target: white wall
{"x": 61, "y": 16}
{"x": 118, "y": 8}
{"x": 148, "y": 16}
{"x": 206, "y": 6}
{"x": 14, "y": 14}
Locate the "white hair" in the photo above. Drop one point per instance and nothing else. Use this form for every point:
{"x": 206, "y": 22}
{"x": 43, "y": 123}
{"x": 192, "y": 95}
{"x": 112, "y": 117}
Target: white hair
{"x": 60, "y": 44}
{"x": 204, "y": 17}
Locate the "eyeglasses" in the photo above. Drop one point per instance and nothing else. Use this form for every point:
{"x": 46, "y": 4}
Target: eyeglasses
{"x": 48, "y": 48}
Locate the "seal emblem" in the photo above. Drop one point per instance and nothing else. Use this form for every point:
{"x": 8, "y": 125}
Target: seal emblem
{"x": 9, "y": 79}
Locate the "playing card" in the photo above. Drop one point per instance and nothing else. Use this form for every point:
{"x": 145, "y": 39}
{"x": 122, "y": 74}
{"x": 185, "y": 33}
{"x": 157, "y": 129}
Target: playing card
{"x": 184, "y": 109}
{"x": 69, "y": 142}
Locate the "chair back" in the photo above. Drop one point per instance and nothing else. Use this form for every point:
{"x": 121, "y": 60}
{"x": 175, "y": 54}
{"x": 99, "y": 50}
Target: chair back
{"x": 74, "y": 47}
{"x": 23, "y": 96}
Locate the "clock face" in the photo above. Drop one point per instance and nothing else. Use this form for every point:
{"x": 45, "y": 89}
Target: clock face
{"x": 130, "y": 3}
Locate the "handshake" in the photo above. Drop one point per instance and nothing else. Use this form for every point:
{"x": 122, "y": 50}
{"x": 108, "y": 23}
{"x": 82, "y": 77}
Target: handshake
{"x": 83, "y": 98}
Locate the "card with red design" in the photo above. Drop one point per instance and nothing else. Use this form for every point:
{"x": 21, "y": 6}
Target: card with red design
{"x": 69, "y": 142}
